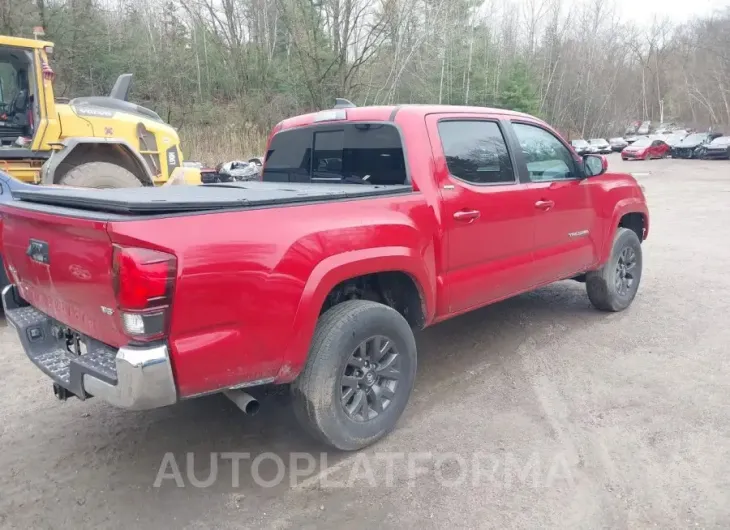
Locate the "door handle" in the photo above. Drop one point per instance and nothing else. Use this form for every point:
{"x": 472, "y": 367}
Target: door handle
{"x": 544, "y": 205}
{"x": 467, "y": 215}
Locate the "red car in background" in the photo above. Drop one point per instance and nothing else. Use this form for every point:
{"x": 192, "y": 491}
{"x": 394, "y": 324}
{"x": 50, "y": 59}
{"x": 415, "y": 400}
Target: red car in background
{"x": 646, "y": 148}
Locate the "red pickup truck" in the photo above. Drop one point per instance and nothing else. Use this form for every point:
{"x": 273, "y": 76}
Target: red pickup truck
{"x": 369, "y": 223}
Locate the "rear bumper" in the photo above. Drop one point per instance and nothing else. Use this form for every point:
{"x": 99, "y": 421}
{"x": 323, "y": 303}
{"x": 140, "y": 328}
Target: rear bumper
{"x": 134, "y": 378}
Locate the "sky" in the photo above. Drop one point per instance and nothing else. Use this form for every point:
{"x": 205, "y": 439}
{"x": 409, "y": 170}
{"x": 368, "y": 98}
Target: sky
{"x": 676, "y": 10}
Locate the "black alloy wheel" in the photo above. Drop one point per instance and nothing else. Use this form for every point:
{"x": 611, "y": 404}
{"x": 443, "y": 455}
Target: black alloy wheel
{"x": 370, "y": 379}
{"x": 625, "y": 269}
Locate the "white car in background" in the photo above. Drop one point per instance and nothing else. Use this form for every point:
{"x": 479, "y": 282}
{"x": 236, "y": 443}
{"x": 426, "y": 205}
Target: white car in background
{"x": 582, "y": 147}
{"x": 601, "y": 145}
{"x": 676, "y": 137}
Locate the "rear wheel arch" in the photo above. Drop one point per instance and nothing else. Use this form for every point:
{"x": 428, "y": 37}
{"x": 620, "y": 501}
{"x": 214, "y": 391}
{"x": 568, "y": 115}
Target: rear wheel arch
{"x": 78, "y": 152}
{"x": 396, "y": 289}
{"x": 400, "y": 282}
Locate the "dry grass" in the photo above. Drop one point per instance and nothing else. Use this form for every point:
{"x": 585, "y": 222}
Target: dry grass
{"x": 215, "y": 143}
{"x": 214, "y": 133}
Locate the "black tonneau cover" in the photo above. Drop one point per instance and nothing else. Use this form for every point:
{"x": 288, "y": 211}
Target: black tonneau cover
{"x": 177, "y": 199}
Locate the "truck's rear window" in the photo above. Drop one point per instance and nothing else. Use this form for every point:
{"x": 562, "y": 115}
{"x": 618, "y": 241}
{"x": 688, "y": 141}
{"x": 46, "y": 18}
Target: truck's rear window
{"x": 357, "y": 153}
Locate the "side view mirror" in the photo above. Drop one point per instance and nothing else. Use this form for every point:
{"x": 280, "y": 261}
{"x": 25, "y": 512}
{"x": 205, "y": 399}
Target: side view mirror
{"x": 594, "y": 165}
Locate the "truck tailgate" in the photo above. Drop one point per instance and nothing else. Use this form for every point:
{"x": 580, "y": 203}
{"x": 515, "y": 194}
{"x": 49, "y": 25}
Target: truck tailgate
{"x": 62, "y": 266}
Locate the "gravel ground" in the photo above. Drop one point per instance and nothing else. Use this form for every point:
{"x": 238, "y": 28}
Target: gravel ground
{"x": 538, "y": 412}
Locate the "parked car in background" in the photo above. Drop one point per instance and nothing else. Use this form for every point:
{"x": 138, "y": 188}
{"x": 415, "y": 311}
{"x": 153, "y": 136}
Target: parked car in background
{"x": 644, "y": 128}
{"x": 694, "y": 145}
{"x": 676, "y": 137}
{"x": 617, "y": 144}
{"x": 632, "y": 128}
{"x": 601, "y": 145}
{"x": 581, "y": 147}
{"x": 646, "y": 148}
{"x": 631, "y": 138}
{"x": 719, "y": 148}
{"x": 666, "y": 128}
{"x": 7, "y": 185}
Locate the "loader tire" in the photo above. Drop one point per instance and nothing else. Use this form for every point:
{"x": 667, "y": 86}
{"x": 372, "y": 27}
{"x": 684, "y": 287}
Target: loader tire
{"x": 100, "y": 175}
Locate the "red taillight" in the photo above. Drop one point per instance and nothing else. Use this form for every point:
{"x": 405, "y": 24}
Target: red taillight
{"x": 143, "y": 284}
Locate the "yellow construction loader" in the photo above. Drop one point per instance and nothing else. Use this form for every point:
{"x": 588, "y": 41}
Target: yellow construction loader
{"x": 97, "y": 142}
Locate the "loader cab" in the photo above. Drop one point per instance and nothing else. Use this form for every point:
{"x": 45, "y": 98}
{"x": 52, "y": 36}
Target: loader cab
{"x": 18, "y": 110}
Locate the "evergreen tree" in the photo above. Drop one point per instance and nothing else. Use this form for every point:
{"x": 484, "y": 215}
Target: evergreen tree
{"x": 518, "y": 92}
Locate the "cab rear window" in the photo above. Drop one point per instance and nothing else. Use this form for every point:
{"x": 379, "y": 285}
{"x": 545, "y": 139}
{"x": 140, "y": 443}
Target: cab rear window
{"x": 349, "y": 153}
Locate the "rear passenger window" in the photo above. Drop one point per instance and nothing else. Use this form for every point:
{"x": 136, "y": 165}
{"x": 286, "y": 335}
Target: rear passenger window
{"x": 352, "y": 153}
{"x": 476, "y": 151}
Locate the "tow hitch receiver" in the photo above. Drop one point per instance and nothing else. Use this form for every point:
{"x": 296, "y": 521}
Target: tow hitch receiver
{"x": 61, "y": 393}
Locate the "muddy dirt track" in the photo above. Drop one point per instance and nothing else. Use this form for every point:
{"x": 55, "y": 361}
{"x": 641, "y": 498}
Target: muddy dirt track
{"x": 538, "y": 412}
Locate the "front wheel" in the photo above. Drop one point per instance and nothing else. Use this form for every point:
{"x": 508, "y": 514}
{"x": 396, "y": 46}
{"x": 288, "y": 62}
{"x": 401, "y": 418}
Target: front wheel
{"x": 614, "y": 286}
{"x": 358, "y": 377}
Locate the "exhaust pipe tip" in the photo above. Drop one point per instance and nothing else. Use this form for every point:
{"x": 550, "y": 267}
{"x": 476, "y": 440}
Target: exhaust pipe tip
{"x": 252, "y": 407}
{"x": 244, "y": 401}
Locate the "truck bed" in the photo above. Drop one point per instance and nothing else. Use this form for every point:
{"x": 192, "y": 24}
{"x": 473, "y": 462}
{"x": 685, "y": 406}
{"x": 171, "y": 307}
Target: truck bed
{"x": 181, "y": 199}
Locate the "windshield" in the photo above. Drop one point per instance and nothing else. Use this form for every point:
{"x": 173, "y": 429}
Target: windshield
{"x": 695, "y": 138}
{"x": 722, "y": 140}
{"x": 598, "y": 141}
{"x": 579, "y": 143}
{"x": 14, "y": 79}
{"x": 642, "y": 142}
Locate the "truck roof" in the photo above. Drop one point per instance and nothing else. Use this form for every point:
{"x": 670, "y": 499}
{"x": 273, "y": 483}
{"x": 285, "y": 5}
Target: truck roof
{"x": 19, "y": 42}
{"x": 388, "y": 113}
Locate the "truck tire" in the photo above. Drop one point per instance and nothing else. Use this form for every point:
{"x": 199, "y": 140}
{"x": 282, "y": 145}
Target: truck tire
{"x": 614, "y": 286}
{"x": 100, "y": 175}
{"x": 358, "y": 376}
